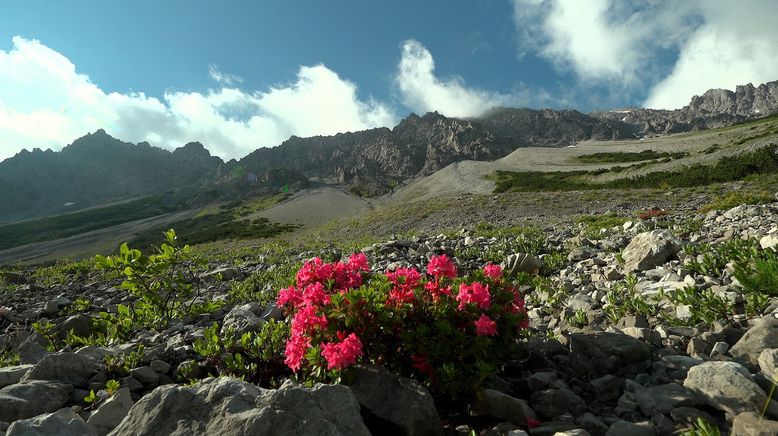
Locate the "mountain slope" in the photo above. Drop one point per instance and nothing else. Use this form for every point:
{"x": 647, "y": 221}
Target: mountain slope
{"x": 93, "y": 170}
{"x": 371, "y": 162}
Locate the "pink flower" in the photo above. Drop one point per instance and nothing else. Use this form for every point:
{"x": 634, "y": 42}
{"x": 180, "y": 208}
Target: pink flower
{"x": 290, "y": 296}
{"x": 306, "y": 320}
{"x": 441, "y": 266}
{"x": 358, "y": 262}
{"x": 315, "y": 294}
{"x": 421, "y": 363}
{"x": 308, "y": 272}
{"x": 485, "y": 326}
{"x": 343, "y": 354}
{"x": 494, "y": 272}
{"x": 436, "y": 290}
{"x": 404, "y": 276}
{"x": 296, "y": 346}
{"x": 477, "y": 293}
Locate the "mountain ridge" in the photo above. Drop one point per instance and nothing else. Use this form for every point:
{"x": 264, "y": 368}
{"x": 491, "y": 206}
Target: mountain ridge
{"x": 98, "y": 168}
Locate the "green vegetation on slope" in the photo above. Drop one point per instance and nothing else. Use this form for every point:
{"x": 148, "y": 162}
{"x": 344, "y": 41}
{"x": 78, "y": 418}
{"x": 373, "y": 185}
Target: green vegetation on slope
{"x": 61, "y": 226}
{"x": 762, "y": 161}
{"x": 621, "y": 156}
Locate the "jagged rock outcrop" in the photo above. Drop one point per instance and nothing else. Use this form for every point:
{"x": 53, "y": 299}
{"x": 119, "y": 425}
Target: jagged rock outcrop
{"x": 714, "y": 108}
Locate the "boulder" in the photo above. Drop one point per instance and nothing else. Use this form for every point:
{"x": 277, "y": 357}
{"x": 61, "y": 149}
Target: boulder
{"x": 12, "y": 374}
{"x": 70, "y": 368}
{"x": 551, "y": 403}
{"x": 392, "y": 402}
{"x": 230, "y": 406}
{"x": 751, "y": 424}
{"x": 595, "y": 354}
{"x": 768, "y": 363}
{"x": 504, "y": 407}
{"x": 242, "y": 319}
{"x": 521, "y": 263}
{"x": 626, "y": 428}
{"x": 763, "y": 335}
{"x": 28, "y": 399}
{"x": 727, "y": 386}
{"x": 80, "y": 324}
{"x": 111, "y": 412}
{"x": 32, "y": 349}
{"x": 664, "y": 398}
{"x": 64, "y": 422}
{"x": 650, "y": 249}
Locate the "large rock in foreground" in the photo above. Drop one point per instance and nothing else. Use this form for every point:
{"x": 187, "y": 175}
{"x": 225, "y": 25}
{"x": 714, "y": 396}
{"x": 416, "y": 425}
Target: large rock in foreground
{"x": 763, "y": 335}
{"x": 728, "y": 386}
{"x": 393, "y": 404}
{"x": 28, "y": 399}
{"x": 597, "y": 354}
{"x": 230, "y": 406}
{"x": 64, "y": 422}
{"x": 649, "y": 250}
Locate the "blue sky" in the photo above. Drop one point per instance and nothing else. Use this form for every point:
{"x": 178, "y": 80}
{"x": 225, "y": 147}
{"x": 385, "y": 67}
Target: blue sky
{"x": 243, "y": 74}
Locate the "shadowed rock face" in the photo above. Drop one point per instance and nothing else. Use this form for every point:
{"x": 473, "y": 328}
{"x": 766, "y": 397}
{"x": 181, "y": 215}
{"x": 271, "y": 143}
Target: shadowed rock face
{"x": 372, "y": 161}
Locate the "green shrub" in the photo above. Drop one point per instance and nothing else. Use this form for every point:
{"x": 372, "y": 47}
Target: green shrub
{"x": 161, "y": 282}
{"x": 733, "y": 199}
{"x": 760, "y": 274}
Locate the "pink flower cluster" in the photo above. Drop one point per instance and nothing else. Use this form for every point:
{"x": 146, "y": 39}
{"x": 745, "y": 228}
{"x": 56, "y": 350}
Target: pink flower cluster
{"x": 329, "y": 298}
{"x": 342, "y": 354}
{"x": 315, "y": 281}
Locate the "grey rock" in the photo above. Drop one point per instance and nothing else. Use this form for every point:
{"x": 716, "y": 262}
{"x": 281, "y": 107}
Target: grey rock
{"x": 633, "y": 321}
{"x": 626, "y": 428}
{"x": 145, "y": 375}
{"x": 64, "y": 422}
{"x": 32, "y": 349}
{"x": 664, "y": 398}
{"x": 226, "y": 273}
{"x": 608, "y": 388}
{"x": 595, "y": 354}
{"x": 394, "y": 402}
{"x": 698, "y": 348}
{"x": 769, "y": 242}
{"x": 574, "y": 432}
{"x": 649, "y": 250}
{"x": 768, "y": 363}
{"x": 12, "y": 374}
{"x": 28, "y": 399}
{"x": 752, "y": 424}
{"x": 70, "y": 368}
{"x": 160, "y": 366}
{"x": 503, "y": 406}
{"x": 80, "y": 324}
{"x": 111, "y": 412}
{"x": 229, "y": 406}
{"x": 521, "y": 263}
{"x": 242, "y": 319}
{"x": 763, "y": 335}
{"x": 551, "y": 403}
{"x": 727, "y": 386}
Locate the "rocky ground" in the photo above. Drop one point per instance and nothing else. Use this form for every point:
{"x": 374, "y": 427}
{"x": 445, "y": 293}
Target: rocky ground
{"x": 636, "y": 329}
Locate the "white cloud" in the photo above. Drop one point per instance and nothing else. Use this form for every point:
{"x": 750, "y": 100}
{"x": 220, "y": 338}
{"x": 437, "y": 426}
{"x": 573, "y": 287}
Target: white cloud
{"x": 220, "y": 77}
{"x": 623, "y": 45}
{"x": 421, "y": 91}
{"x": 736, "y": 45}
{"x": 45, "y": 103}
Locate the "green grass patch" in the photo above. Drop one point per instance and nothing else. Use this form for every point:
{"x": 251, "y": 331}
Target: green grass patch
{"x": 214, "y": 227}
{"x": 593, "y": 224}
{"x": 761, "y": 161}
{"x": 62, "y": 226}
{"x": 621, "y": 156}
{"x": 732, "y": 199}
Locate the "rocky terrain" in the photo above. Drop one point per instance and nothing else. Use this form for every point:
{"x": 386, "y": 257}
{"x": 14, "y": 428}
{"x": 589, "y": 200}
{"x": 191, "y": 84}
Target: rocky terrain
{"x": 636, "y": 328}
{"x": 714, "y": 108}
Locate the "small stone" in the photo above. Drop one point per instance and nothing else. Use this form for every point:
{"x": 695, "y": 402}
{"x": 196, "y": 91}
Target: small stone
{"x": 145, "y": 375}
{"x": 160, "y": 366}
{"x": 505, "y": 407}
{"x": 763, "y": 335}
{"x": 719, "y": 349}
{"x": 111, "y": 412}
{"x": 698, "y": 348}
{"x": 551, "y": 403}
